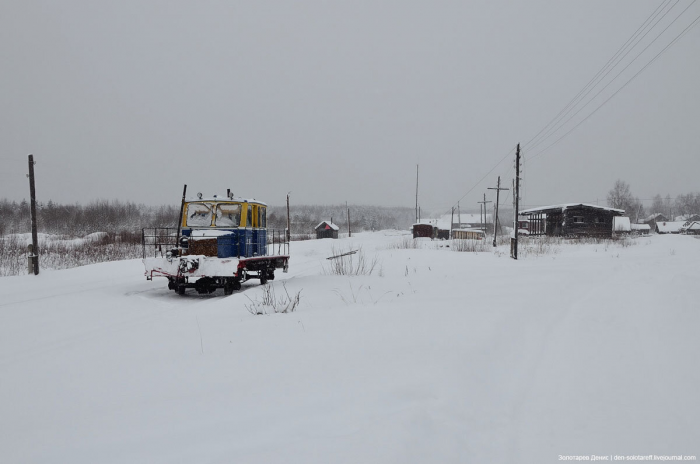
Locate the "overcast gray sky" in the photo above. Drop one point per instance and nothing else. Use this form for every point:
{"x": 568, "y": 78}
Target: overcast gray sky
{"x": 338, "y": 100}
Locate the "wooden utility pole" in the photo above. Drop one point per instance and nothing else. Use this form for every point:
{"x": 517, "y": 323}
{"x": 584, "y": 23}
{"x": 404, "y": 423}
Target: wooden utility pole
{"x": 495, "y": 223}
{"x": 514, "y": 247}
{"x": 452, "y": 220}
{"x": 483, "y": 220}
{"x": 182, "y": 211}
{"x": 289, "y": 232}
{"x": 346, "y": 207}
{"x": 417, "y": 213}
{"x": 32, "y": 195}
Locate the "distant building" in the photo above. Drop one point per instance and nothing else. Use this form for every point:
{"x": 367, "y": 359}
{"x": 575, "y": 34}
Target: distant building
{"x": 466, "y": 221}
{"x": 424, "y": 230}
{"x": 688, "y": 217}
{"x": 327, "y": 230}
{"x": 433, "y": 228}
{"x": 470, "y": 234}
{"x": 640, "y": 229}
{"x": 691, "y": 228}
{"x": 572, "y": 220}
{"x": 669, "y": 227}
{"x": 621, "y": 225}
{"x": 652, "y": 219}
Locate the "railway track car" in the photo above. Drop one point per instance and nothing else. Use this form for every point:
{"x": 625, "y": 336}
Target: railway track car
{"x": 219, "y": 243}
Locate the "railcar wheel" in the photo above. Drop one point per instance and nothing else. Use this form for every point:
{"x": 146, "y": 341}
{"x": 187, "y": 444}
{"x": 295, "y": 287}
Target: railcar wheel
{"x": 181, "y": 289}
{"x": 231, "y": 285}
{"x": 263, "y": 277}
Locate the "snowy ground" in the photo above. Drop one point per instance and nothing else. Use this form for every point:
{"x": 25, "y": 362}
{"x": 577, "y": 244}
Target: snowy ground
{"x": 437, "y": 356}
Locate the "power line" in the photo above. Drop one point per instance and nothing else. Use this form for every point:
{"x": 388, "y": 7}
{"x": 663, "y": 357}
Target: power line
{"x": 678, "y": 37}
{"x": 580, "y": 95}
{"x": 560, "y": 125}
{"x": 486, "y": 175}
{"x": 584, "y": 92}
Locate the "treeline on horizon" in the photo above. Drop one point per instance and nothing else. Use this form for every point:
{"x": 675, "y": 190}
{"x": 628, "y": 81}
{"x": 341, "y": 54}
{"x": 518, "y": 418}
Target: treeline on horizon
{"x": 116, "y": 217}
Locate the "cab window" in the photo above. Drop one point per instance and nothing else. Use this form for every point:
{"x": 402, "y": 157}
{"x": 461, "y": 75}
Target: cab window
{"x": 228, "y": 215}
{"x": 199, "y": 214}
{"x": 262, "y": 217}
{"x": 249, "y": 217}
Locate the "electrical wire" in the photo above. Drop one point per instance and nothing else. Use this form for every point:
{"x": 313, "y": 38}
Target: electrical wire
{"x": 592, "y": 84}
{"x": 485, "y": 175}
{"x": 554, "y": 125}
{"x": 676, "y": 39}
{"x": 616, "y": 76}
{"x": 580, "y": 95}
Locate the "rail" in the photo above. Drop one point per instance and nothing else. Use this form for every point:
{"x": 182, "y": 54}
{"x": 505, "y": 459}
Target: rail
{"x": 158, "y": 241}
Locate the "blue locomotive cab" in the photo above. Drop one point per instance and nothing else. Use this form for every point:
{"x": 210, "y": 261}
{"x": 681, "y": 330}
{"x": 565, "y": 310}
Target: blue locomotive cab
{"x": 224, "y": 228}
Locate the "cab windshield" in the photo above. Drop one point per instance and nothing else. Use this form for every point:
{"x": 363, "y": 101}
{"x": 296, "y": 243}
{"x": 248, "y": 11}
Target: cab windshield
{"x": 228, "y": 215}
{"x": 199, "y": 214}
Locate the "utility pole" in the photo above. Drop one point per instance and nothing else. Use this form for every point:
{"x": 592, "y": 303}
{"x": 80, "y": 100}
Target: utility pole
{"x": 182, "y": 212}
{"x": 417, "y": 214}
{"x": 514, "y": 247}
{"x": 289, "y": 232}
{"x": 34, "y": 256}
{"x": 346, "y": 207}
{"x": 495, "y": 223}
{"x": 452, "y": 220}
{"x": 483, "y": 221}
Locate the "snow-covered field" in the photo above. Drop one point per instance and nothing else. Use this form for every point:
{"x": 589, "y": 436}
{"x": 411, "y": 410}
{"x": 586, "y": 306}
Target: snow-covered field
{"x": 437, "y": 356}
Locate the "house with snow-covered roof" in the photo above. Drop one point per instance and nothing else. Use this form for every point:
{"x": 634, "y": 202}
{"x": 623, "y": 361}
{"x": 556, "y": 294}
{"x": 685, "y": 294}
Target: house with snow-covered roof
{"x": 466, "y": 221}
{"x": 691, "y": 228}
{"x": 640, "y": 229}
{"x": 326, "y": 229}
{"x": 669, "y": 227}
{"x": 652, "y": 219}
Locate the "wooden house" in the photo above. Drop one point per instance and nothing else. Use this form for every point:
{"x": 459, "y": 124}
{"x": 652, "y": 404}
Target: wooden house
{"x": 424, "y": 230}
{"x": 327, "y": 230}
{"x": 669, "y": 227}
{"x": 691, "y": 228}
{"x": 652, "y": 219}
{"x": 572, "y": 220}
{"x": 640, "y": 229}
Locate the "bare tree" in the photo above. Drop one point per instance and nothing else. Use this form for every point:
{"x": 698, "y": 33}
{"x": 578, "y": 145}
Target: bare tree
{"x": 657, "y": 205}
{"x": 620, "y": 196}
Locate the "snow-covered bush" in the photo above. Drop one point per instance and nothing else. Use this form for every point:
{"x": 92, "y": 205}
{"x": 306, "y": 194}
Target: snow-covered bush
{"x": 470, "y": 245}
{"x": 346, "y": 261}
{"x": 269, "y": 302}
{"x": 405, "y": 243}
{"x": 538, "y": 246}
{"x": 63, "y": 251}
{"x": 13, "y": 255}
